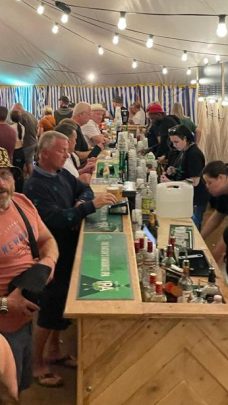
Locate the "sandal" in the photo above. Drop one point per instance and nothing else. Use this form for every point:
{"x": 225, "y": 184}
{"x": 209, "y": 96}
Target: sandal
{"x": 68, "y": 361}
{"x": 49, "y": 380}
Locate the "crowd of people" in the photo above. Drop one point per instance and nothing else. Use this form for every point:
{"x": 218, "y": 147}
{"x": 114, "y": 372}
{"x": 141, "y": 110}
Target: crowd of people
{"x": 45, "y": 173}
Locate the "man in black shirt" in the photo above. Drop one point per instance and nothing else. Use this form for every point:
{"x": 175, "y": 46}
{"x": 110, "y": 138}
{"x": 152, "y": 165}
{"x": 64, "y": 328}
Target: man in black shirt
{"x": 64, "y": 111}
{"x": 215, "y": 175}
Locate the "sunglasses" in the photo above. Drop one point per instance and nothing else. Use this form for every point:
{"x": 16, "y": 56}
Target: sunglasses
{"x": 174, "y": 130}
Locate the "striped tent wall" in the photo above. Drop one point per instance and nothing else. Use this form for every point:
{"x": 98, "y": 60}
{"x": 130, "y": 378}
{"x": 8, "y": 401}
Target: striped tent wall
{"x": 184, "y": 95}
{"x": 34, "y": 98}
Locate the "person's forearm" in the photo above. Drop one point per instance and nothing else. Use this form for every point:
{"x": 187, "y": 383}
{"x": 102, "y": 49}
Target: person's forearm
{"x": 211, "y": 224}
{"x": 219, "y": 251}
{"x": 49, "y": 252}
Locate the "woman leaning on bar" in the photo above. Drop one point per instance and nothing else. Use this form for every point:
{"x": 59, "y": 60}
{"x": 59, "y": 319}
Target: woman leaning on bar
{"x": 188, "y": 165}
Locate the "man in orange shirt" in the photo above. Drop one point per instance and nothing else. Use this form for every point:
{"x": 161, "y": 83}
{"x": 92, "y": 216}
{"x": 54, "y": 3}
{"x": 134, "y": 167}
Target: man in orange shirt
{"x": 16, "y": 259}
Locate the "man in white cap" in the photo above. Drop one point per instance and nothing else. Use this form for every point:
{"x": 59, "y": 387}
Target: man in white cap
{"x": 91, "y": 130}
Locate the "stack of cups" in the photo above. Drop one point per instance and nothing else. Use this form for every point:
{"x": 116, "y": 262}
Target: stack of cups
{"x": 132, "y": 165}
{"x": 153, "y": 181}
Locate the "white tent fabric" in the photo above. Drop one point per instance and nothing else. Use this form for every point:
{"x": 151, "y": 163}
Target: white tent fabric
{"x": 31, "y": 54}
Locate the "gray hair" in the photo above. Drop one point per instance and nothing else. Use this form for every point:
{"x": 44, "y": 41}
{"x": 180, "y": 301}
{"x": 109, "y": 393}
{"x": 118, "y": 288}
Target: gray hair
{"x": 48, "y": 138}
{"x": 80, "y": 108}
{"x": 178, "y": 110}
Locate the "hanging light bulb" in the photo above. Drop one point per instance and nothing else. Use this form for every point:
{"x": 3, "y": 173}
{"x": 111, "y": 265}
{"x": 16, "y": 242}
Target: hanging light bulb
{"x": 221, "y": 29}
{"x": 64, "y": 18}
{"x": 134, "y": 64}
{"x": 188, "y": 71}
{"x": 200, "y": 99}
{"x": 100, "y": 50}
{"x": 193, "y": 81}
{"x": 217, "y": 58}
{"x": 115, "y": 39}
{"x": 122, "y": 24}
{"x": 40, "y": 9}
{"x": 91, "y": 77}
{"x": 184, "y": 56}
{"x": 55, "y": 28}
{"x": 164, "y": 70}
{"x": 205, "y": 61}
{"x": 150, "y": 41}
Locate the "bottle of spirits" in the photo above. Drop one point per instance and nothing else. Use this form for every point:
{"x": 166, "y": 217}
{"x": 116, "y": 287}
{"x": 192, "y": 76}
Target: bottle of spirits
{"x": 139, "y": 259}
{"x": 147, "y": 203}
{"x": 150, "y": 290}
{"x": 185, "y": 282}
{"x": 168, "y": 259}
{"x": 158, "y": 269}
{"x": 198, "y": 299}
{"x": 106, "y": 171}
{"x": 159, "y": 296}
{"x": 148, "y": 263}
{"x": 153, "y": 224}
{"x": 210, "y": 289}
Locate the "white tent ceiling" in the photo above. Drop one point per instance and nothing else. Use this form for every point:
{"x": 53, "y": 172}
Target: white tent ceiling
{"x": 31, "y": 54}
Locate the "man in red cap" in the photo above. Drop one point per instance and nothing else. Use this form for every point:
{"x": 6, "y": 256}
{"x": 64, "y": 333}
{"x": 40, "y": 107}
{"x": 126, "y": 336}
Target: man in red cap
{"x": 156, "y": 114}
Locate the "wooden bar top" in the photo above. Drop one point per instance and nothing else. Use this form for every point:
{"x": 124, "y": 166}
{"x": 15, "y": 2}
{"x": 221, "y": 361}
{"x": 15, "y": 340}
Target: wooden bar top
{"x": 77, "y": 308}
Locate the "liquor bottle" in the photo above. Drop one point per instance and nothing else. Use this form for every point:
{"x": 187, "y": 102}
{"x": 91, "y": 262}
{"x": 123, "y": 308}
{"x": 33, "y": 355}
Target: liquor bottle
{"x": 168, "y": 259}
{"x": 210, "y": 289}
{"x": 159, "y": 296}
{"x": 147, "y": 203}
{"x": 185, "y": 283}
{"x": 160, "y": 171}
{"x": 198, "y": 299}
{"x": 148, "y": 263}
{"x": 153, "y": 224}
{"x": 158, "y": 269}
{"x": 139, "y": 259}
{"x": 150, "y": 290}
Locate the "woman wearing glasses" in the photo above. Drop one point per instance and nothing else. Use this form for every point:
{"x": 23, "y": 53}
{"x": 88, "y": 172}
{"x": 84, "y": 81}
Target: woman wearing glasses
{"x": 188, "y": 165}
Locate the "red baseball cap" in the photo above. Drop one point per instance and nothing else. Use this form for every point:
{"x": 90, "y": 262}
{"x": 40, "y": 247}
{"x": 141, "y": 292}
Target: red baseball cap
{"x": 154, "y": 108}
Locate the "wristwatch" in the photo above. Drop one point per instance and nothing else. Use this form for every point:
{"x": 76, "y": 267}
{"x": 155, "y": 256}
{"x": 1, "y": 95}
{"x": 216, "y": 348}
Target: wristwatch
{"x": 3, "y": 306}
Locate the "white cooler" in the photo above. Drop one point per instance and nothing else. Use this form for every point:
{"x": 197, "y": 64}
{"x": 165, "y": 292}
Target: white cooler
{"x": 174, "y": 199}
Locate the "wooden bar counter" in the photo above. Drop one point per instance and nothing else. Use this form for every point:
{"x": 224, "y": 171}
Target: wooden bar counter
{"x": 134, "y": 353}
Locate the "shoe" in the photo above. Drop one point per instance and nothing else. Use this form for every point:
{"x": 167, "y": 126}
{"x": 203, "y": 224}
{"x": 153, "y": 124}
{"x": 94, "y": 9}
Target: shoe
{"x": 49, "y": 380}
{"x": 68, "y": 361}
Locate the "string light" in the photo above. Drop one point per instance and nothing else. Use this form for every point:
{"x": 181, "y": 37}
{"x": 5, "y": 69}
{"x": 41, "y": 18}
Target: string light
{"x": 205, "y": 61}
{"x": 184, "y": 56}
{"x": 134, "y": 64}
{"x": 164, "y": 70}
{"x": 193, "y": 81}
{"x": 150, "y": 41}
{"x": 221, "y": 29}
{"x": 91, "y": 77}
{"x": 40, "y": 9}
{"x": 115, "y": 39}
{"x": 122, "y": 23}
{"x": 55, "y": 28}
{"x": 64, "y": 18}
{"x": 200, "y": 99}
{"x": 217, "y": 58}
{"x": 100, "y": 50}
{"x": 189, "y": 72}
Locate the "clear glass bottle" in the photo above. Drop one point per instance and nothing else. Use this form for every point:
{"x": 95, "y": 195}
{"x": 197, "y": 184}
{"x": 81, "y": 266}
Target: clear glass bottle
{"x": 198, "y": 299}
{"x": 185, "y": 282}
{"x": 148, "y": 263}
{"x": 210, "y": 289}
{"x": 106, "y": 171}
{"x": 150, "y": 290}
{"x": 139, "y": 259}
{"x": 159, "y": 296}
{"x": 168, "y": 259}
{"x": 147, "y": 202}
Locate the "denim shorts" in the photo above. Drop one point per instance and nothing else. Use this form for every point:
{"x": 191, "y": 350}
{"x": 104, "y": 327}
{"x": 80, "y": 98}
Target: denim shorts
{"x": 21, "y": 346}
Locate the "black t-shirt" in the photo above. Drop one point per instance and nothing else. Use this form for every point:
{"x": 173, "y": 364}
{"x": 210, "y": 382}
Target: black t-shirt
{"x": 81, "y": 145}
{"x": 221, "y": 204}
{"x": 190, "y": 163}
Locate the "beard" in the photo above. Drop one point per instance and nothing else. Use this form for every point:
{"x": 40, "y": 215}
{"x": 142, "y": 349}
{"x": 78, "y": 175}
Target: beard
{"x": 5, "y": 201}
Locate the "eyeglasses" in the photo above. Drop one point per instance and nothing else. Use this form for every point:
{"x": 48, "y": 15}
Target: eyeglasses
{"x": 5, "y": 175}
